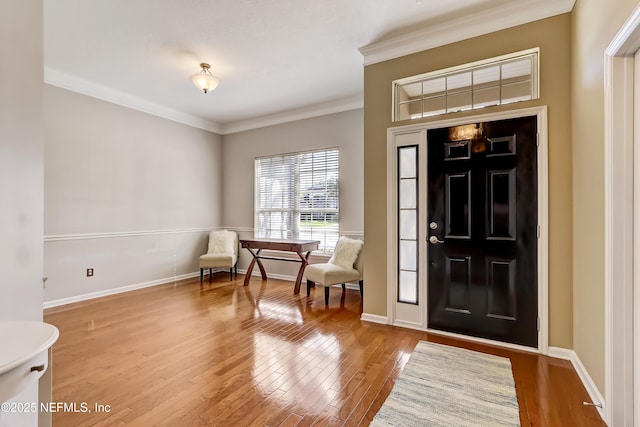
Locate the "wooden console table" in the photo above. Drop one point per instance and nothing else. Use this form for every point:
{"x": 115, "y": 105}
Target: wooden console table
{"x": 255, "y": 246}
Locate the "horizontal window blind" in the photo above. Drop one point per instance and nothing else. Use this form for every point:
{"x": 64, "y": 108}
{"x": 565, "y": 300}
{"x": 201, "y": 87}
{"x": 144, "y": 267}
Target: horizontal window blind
{"x": 297, "y": 197}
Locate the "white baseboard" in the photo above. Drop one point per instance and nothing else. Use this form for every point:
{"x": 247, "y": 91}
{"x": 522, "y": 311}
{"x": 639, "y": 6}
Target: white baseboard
{"x": 562, "y": 353}
{"x": 113, "y": 291}
{"x": 107, "y": 292}
{"x": 374, "y": 318}
{"x": 255, "y": 273}
{"x": 587, "y": 381}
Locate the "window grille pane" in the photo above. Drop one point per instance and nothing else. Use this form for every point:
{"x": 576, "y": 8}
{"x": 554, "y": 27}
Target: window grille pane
{"x": 297, "y": 197}
{"x": 407, "y": 167}
{"x": 408, "y": 229}
{"x": 434, "y": 106}
{"x": 434, "y": 87}
{"x": 459, "y": 102}
{"x": 459, "y": 82}
{"x": 408, "y": 194}
{"x": 518, "y": 68}
{"x": 410, "y": 110}
{"x": 516, "y": 92}
{"x": 410, "y": 92}
{"x": 486, "y": 76}
{"x": 408, "y": 289}
{"x": 408, "y": 255}
{"x": 486, "y": 97}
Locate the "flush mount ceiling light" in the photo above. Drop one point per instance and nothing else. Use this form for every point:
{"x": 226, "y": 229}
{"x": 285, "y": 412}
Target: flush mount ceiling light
{"x": 204, "y": 80}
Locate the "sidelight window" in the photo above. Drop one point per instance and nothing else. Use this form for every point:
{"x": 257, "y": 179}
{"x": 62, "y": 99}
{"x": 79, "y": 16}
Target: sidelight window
{"x": 408, "y": 224}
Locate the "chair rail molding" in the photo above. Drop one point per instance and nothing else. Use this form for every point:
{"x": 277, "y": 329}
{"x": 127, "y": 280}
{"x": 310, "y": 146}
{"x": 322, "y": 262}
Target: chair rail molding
{"x": 118, "y": 234}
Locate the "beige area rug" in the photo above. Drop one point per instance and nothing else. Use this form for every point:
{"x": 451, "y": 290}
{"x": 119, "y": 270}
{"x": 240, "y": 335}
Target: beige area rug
{"x": 449, "y": 386}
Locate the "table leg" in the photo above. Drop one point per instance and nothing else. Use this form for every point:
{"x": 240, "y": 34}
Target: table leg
{"x": 247, "y": 276}
{"x": 304, "y": 262}
{"x": 262, "y": 272}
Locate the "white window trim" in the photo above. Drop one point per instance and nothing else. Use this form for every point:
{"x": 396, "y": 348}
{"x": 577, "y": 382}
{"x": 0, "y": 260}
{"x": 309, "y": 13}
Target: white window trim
{"x": 468, "y": 66}
{"x": 321, "y": 253}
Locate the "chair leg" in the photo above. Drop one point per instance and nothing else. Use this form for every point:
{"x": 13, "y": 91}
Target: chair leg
{"x": 209, "y": 274}
{"x": 361, "y": 283}
{"x": 326, "y": 295}
{"x": 231, "y": 274}
{"x": 236, "y": 268}
{"x": 310, "y": 284}
{"x": 344, "y": 287}
{"x": 201, "y": 274}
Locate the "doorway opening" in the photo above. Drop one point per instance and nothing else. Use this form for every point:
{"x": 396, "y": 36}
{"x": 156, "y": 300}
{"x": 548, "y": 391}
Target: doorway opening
{"x": 457, "y": 228}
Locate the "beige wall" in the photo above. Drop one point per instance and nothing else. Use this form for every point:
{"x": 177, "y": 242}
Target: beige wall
{"x": 21, "y": 169}
{"x": 594, "y": 25}
{"x": 21, "y": 159}
{"x": 130, "y": 177}
{"x": 137, "y": 179}
{"x": 343, "y": 130}
{"x": 553, "y": 36}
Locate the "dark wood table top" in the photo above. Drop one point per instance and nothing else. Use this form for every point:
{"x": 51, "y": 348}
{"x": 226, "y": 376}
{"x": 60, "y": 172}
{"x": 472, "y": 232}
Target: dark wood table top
{"x": 287, "y": 245}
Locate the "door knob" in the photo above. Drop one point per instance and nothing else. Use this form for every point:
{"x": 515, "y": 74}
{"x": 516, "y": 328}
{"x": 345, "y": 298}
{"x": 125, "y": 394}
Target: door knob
{"x": 433, "y": 240}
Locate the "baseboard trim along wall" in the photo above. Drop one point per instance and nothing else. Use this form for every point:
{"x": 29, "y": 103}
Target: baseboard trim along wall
{"x": 158, "y": 282}
{"x": 374, "y": 318}
{"x": 113, "y": 291}
{"x": 587, "y": 381}
{"x": 288, "y": 278}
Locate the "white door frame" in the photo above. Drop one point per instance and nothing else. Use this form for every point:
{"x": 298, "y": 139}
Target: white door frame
{"x": 619, "y": 225}
{"x": 543, "y": 221}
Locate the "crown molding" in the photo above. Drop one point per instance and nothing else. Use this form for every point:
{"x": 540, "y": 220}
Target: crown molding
{"x": 485, "y": 22}
{"x": 338, "y": 106}
{"x": 74, "y": 84}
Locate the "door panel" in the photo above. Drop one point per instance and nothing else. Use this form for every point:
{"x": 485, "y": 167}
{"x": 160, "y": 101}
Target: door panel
{"x": 501, "y": 200}
{"x": 457, "y": 283}
{"x": 482, "y": 214}
{"x": 457, "y": 205}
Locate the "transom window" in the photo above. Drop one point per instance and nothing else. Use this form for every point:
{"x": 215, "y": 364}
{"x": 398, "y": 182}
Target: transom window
{"x": 297, "y": 197}
{"x": 496, "y": 81}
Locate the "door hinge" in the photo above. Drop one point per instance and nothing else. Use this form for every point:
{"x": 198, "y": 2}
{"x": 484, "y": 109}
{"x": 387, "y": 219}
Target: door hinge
{"x": 537, "y": 139}
{"x": 538, "y": 231}
{"x": 538, "y": 324}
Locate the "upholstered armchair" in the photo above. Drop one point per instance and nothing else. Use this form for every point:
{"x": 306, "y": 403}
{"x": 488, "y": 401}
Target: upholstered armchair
{"x": 221, "y": 253}
{"x": 344, "y": 266}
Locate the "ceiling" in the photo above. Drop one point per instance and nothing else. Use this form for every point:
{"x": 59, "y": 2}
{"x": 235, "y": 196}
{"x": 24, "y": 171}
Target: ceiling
{"x": 275, "y": 59}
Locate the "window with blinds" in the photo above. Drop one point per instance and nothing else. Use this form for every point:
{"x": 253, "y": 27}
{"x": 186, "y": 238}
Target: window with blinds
{"x": 297, "y": 197}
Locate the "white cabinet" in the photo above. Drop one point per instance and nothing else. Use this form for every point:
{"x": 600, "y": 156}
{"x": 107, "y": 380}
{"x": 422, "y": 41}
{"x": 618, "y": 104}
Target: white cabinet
{"x": 25, "y": 357}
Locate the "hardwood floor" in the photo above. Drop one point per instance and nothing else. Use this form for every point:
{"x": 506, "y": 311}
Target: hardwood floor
{"x": 225, "y": 354}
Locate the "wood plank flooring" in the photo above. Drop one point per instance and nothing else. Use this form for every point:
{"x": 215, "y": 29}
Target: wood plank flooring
{"x": 224, "y": 354}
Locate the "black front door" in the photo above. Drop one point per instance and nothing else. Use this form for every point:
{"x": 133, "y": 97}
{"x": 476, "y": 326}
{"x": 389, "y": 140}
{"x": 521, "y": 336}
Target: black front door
{"x": 482, "y": 228}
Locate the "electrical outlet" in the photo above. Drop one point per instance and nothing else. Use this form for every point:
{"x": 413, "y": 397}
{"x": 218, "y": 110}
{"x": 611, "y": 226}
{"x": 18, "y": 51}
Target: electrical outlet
{"x": 89, "y": 272}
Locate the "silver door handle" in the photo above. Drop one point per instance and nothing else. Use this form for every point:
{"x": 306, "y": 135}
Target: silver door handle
{"x": 433, "y": 240}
